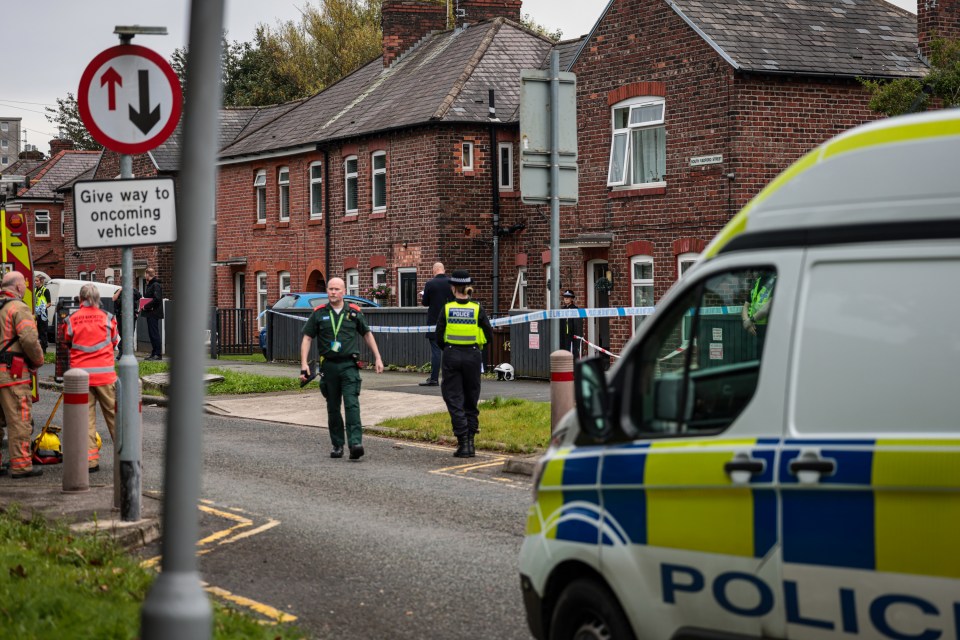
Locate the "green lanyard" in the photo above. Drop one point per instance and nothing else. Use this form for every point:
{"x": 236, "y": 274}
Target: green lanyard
{"x": 336, "y": 325}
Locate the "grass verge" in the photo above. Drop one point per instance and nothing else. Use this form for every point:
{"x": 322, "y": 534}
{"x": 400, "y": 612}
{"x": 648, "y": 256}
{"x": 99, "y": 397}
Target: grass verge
{"x": 511, "y": 425}
{"x": 55, "y": 584}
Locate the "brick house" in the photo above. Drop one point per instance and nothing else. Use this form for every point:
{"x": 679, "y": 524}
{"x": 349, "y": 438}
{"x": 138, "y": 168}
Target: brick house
{"x": 687, "y": 108}
{"x": 42, "y": 204}
{"x": 387, "y": 171}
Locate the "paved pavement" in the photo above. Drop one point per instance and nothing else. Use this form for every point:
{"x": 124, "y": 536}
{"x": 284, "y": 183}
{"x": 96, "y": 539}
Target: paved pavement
{"x": 390, "y": 394}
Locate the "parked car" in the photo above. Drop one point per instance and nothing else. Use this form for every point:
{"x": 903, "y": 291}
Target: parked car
{"x": 308, "y": 300}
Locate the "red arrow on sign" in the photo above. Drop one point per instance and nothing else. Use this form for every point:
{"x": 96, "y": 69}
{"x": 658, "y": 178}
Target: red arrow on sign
{"x": 112, "y": 78}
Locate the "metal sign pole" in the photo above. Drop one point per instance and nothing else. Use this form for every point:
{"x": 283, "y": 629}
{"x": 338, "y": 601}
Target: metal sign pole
{"x": 177, "y": 606}
{"x": 130, "y": 438}
{"x": 554, "y": 197}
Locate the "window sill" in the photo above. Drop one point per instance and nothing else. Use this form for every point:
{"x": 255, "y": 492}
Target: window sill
{"x": 469, "y": 172}
{"x": 259, "y": 225}
{"x": 378, "y": 215}
{"x": 510, "y": 195}
{"x": 283, "y": 224}
{"x": 312, "y": 222}
{"x": 350, "y": 217}
{"x": 655, "y": 189}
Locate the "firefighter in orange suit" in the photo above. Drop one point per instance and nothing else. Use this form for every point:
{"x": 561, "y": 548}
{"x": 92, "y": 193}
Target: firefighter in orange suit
{"x": 20, "y": 353}
{"x": 91, "y": 333}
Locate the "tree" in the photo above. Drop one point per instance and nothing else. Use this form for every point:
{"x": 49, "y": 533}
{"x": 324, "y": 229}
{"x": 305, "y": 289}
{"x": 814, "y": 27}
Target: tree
{"x": 67, "y": 118}
{"x": 539, "y": 29}
{"x": 907, "y": 95}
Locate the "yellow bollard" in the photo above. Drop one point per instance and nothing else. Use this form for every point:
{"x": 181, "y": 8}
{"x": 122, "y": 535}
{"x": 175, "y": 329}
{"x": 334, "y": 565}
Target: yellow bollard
{"x": 561, "y": 386}
{"x": 76, "y": 395}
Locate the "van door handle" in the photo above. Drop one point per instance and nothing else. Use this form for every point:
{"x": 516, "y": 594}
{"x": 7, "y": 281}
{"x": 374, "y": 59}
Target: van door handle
{"x": 751, "y": 466}
{"x": 823, "y": 467}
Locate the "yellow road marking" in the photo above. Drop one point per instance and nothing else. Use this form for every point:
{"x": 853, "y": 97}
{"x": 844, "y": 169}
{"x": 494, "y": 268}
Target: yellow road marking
{"x": 275, "y": 615}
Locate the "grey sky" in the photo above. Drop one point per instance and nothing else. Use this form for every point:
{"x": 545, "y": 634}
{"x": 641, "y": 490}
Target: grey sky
{"x": 50, "y": 42}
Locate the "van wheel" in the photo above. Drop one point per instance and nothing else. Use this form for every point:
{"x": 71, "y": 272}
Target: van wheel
{"x": 587, "y": 610}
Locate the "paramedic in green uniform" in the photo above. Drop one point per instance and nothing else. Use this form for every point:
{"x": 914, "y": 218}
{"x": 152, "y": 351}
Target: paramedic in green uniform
{"x": 338, "y": 328}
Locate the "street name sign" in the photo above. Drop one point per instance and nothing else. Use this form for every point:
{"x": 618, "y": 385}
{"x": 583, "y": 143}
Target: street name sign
{"x": 129, "y": 99}
{"x": 121, "y": 213}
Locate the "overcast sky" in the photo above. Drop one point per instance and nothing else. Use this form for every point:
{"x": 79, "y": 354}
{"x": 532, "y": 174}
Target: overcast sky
{"x": 47, "y": 44}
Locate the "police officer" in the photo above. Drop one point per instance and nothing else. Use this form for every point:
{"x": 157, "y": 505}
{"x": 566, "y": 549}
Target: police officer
{"x": 462, "y": 329}
{"x": 570, "y": 327}
{"x": 19, "y": 353}
{"x": 756, "y": 310}
{"x": 92, "y": 336}
{"x": 337, "y": 328}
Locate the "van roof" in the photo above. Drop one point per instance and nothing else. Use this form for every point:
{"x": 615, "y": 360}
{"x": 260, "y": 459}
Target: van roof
{"x": 895, "y": 178}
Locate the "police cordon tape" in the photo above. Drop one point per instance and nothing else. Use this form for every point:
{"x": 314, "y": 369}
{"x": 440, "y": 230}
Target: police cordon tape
{"x": 597, "y": 347}
{"x": 549, "y": 314}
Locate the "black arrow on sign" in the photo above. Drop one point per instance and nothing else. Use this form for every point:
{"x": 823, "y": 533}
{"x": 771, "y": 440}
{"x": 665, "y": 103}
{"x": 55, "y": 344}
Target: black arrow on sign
{"x": 144, "y": 119}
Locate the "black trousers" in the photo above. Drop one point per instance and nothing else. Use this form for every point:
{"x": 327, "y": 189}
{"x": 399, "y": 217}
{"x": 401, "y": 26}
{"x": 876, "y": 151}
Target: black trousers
{"x": 153, "y": 328}
{"x": 461, "y": 388}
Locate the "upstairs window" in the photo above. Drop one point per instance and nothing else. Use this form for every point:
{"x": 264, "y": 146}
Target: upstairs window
{"x": 638, "y": 153}
{"x": 316, "y": 190}
{"x": 466, "y": 156}
{"x": 379, "y": 181}
{"x": 41, "y": 224}
{"x": 350, "y": 186}
{"x": 283, "y": 181}
{"x": 505, "y": 169}
{"x": 4, "y": 126}
{"x": 260, "y": 188}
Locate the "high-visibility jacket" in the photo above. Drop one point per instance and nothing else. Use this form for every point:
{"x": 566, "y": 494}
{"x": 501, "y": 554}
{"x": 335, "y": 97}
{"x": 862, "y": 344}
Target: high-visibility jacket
{"x": 17, "y": 321}
{"x": 92, "y": 335}
{"x": 762, "y": 290}
{"x": 463, "y": 324}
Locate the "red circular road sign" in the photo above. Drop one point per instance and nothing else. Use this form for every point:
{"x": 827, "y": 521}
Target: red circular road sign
{"x": 129, "y": 99}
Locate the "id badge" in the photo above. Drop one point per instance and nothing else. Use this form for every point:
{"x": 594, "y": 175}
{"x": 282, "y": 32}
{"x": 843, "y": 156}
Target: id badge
{"x": 335, "y": 346}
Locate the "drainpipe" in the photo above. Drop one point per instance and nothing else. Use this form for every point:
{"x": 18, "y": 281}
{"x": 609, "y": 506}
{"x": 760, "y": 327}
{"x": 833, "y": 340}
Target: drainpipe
{"x": 326, "y": 216}
{"x": 495, "y": 195}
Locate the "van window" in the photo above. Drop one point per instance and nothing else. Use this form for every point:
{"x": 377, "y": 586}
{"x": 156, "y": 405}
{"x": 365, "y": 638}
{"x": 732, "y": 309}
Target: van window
{"x": 878, "y": 348}
{"x": 698, "y": 369}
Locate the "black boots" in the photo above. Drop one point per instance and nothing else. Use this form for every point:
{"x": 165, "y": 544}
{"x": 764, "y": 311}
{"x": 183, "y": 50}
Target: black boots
{"x": 465, "y": 448}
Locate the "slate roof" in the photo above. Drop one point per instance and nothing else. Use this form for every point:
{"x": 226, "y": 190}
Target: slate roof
{"x": 444, "y": 78}
{"x": 870, "y": 38}
{"x": 21, "y": 167}
{"x": 64, "y": 166}
{"x": 89, "y": 174}
{"x": 568, "y": 50}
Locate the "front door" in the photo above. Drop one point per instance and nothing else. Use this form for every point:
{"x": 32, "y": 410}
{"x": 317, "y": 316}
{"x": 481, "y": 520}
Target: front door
{"x": 598, "y": 329}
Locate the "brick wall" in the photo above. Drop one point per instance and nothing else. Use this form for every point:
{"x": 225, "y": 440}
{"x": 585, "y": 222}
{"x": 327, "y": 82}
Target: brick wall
{"x": 758, "y": 124}
{"x": 405, "y": 22}
{"x": 479, "y": 10}
{"x": 937, "y": 18}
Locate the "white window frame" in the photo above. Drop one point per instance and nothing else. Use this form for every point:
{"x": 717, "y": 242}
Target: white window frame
{"x": 505, "y": 178}
{"x": 624, "y": 135}
{"x": 466, "y": 156}
{"x": 685, "y": 261}
{"x": 82, "y": 275}
{"x": 260, "y": 192}
{"x": 316, "y": 191}
{"x": 351, "y": 178}
{"x": 283, "y": 185}
{"x": 4, "y": 144}
{"x": 522, "y": 288}
{"x": 262, "y": 303}
{"x": 635, "y": 282}
{"x": 351, "y": 278}
{"x": 378, "y": 175}
{"x": 400, "y": 301}
{"x": 283, "y": 280}
{"x": 41, "y": 216}
{"x": 4, "y": 126}
{"x": 379, "y": 276}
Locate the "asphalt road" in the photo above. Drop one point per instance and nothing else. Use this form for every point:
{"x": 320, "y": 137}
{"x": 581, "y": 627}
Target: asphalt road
{"x": 406, "y": 543}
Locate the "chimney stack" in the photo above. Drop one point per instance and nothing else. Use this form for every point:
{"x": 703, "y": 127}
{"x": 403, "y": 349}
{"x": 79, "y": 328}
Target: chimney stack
{"x": 479, "y": 10}
{"x": 936, "y": 19}
{"x": 405, "y": 22}
{"x": 60, "y": 144}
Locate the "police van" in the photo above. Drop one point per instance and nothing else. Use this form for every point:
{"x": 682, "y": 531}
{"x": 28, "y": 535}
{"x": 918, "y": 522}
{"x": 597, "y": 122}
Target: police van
{"x": 777, "y": 452}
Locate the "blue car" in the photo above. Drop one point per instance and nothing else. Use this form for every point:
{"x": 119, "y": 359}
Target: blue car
{"x": 308, "y": 300}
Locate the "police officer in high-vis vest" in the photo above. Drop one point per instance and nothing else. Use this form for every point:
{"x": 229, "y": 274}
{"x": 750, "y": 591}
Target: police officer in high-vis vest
{"x": 19, "y": 353}
{"x": 756, "y": 310}
{"x": 338, "y": 328}
{"x": 462, "y": 330}
{"x": 92, "y": 336}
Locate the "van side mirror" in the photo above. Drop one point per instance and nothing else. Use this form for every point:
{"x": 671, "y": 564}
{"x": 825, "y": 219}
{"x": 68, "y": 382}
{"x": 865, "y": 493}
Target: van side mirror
{"x": 593, "y": 398}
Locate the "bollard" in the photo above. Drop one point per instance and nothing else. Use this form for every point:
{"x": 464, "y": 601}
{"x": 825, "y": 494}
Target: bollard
{"x": 76, "y": 395}
{"x": 561, "y": 386}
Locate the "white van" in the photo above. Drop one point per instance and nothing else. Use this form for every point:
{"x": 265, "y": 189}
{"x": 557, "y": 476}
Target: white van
{"x": 790, "y": 474}
{"x": 67, "y": 288}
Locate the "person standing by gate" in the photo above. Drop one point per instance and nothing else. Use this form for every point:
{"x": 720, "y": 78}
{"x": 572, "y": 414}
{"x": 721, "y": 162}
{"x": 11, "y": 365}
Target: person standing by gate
{"x": 338, "y": 328}
{"x": 436, "y": 293}
{"x": 91, "y": 334}
{"x": 570, "y": 327}
{"x": 19, "y": 353}
{"x": 462, "y": 330}
{"x": 153, "y": 311}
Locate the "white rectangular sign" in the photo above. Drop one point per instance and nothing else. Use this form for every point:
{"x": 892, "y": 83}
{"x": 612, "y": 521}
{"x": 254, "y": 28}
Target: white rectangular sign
{"x": 124, "y": 213}
{"x": 699, "y": 161}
